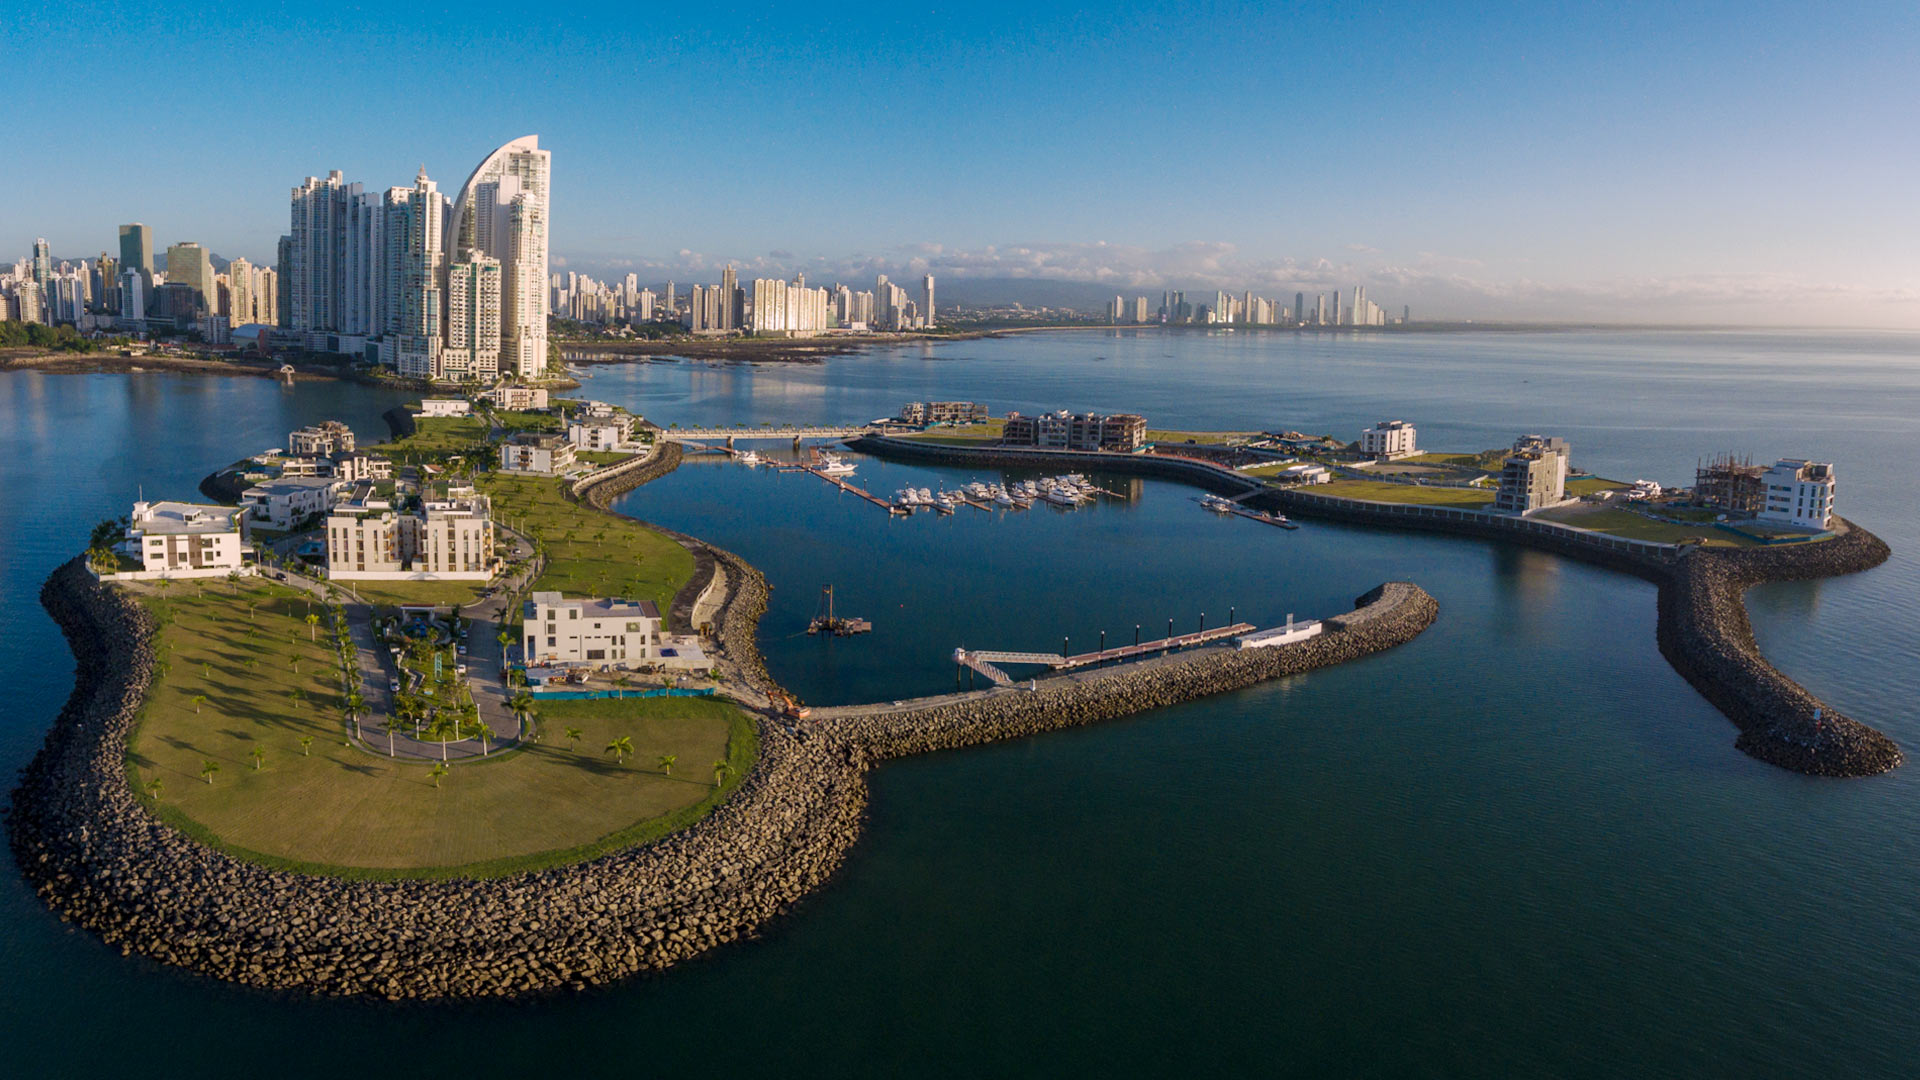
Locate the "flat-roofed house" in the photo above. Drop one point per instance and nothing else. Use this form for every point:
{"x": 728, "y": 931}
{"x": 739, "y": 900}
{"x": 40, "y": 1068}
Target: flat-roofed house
{"x": 176, "y": 539}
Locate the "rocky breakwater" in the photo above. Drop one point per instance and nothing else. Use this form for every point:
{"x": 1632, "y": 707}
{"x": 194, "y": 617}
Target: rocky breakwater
{"x": 98, "y": 858}
{"x": 1705, "y": 634}
{"x": 1389, "y": 615}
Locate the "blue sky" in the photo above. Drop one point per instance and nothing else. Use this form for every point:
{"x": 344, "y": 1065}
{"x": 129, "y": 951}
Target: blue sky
{"x": 1750, "y": 162}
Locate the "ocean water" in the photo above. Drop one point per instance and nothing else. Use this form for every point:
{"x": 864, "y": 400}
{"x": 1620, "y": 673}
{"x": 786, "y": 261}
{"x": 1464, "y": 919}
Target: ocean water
{"x": 1518, "y": 845}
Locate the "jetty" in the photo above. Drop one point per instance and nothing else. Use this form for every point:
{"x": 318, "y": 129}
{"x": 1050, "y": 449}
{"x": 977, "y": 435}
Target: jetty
{"x": 987, "y": 661}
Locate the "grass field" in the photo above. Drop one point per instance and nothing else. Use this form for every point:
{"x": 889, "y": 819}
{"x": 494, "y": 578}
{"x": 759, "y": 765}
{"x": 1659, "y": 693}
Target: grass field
{"x": 603, "y": 457}
{"x": 1632, "y": 526}
{"x": 590, "y": 553}
{"x": 1411, "y": 494}
{"x": 1587, "y": 485}
{"x": 439, "y": 435}
{"x": 963, "y": 434}
{"x": 526, "y": 421}
{"x": 1210, "y": 438}
{"x": 345, "y": 810}
{"x": 417, "y": 592}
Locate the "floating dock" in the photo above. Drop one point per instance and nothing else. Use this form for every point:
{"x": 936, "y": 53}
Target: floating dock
{"x": 987, "y": 661}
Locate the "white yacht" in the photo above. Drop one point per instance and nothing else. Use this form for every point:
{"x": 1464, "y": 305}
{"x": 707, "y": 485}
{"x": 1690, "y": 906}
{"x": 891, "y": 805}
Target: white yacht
{"x": 747, "y": 458}
{"x": 834, "y": 465}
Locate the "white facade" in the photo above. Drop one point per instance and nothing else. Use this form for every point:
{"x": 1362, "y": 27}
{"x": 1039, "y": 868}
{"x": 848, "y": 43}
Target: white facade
{"x": 543, "y": 455}
{"x": 619, "y": 633}
{"x": 518, "y": 398}
{"x": 326, "y": 437}
{"x": 502, "y": 213}
{"x": 1799, "y": 492}
{"x": 1388, "y": 439}
{"x": 472, "y": 350}
{"x": 187, "y": 539}
{"x": 439, "y": 540}
{"x": 1306, "y": 474}
{"x": 445, "y": 407}
{"x": 1534, "y": 475}
{"x": 280, "y": 504}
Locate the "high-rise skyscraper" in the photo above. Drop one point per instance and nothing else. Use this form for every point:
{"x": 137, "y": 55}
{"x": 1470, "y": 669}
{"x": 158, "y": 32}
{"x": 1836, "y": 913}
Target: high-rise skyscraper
{"x": 1299, "y": 306}
{"x": 926, "y": 301}
{"x": 190, "y": 264}
{"x": 107, "y": 269}
{"x": 133, "y": 294}
{"x": 283, "y": 284}
{"x": 502, "y": 212}
{"x": 414, "y": 265}
{"x": 472, "y": 350}
{"x": 136, "y": 253}
{"x": 316, "y": 237}
{"x": 240, "y": 292}
{"x": 42, "y": 265}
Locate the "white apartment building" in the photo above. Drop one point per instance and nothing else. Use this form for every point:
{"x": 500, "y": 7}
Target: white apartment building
{"x": 325, "y": 437}
{"x": 1800, "y": 493}
{"x": 175, "y": 539}
{"x": 1534, "y": 475}
{"x": 1305, "y": 474}
{"x": 1388, "y": 439}
{"x": 472, "y": 349}
{"x": 619, "y": 633}
{"x": 599, "y": 426}
{"x": 539, "y": 454}
{"x": 445, "y": 407}
{"x": 449, "y": 539}
{"x": 518, "y": 398}
{"x": 281, "y": 504}
{"x": 359, "y": 465}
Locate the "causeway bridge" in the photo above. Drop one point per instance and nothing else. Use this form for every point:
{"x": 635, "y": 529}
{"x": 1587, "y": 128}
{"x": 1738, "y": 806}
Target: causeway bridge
{"x": 729, "y": 435}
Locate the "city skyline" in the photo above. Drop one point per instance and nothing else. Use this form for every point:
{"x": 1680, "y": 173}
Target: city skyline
{"x": 1505, "y": 164}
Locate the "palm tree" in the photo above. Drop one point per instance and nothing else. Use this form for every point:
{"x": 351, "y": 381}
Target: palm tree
{"x": 439, "y": 770}
{"x": 313, "y": 627}
{"x": 306, "y": 746}
{"x": 620, "y": 748}
{"x": 444, "y": 729}
{"x": 354, "y": 704}
{"x": 623, "y": 682}
{"x": 394, "y": 720}
{"x": 666, "y": 763}
{"x": 481, "y": 729}
{"x": 153, "y": 788}
{"x": 259, "y": 757}
{"x": 207, "y": 768}
{"x": 573, "y": 736}
{"x": 199, "y": 700}
{"x": 721, "y": 770}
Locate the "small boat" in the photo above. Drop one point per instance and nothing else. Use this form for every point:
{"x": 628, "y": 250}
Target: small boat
{"x": 1002, "y": 499}
{"x": 1060, "y": 496}
{"x": 833, "y": 465}
{"x": 747, "y": 458}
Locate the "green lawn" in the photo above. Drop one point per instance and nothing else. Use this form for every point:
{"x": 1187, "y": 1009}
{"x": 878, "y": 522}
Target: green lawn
{"x": 1632, "y": 526}
{"x": 1210, "y": 438}
{"x": 526, "y": 421}
{"x": 352, "y": 811}
{"x": 603, "y": 457}
{"x": 590, "y": 553}
{"x": 417, "y": 592}
{"x": 439, "y": 435}
{"x": 1587, "y": 485}
{"x": 1412, "y": 494}
{"x": 962, "y": 434}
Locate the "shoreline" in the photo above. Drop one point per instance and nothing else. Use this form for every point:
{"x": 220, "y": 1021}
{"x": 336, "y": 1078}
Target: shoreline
{"x": 94, "y": 854}
{"x": 1703, "y": 628}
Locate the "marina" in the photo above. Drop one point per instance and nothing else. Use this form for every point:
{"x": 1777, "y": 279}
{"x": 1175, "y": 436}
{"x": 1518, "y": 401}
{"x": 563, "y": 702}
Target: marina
{"x": 987, "y": 661}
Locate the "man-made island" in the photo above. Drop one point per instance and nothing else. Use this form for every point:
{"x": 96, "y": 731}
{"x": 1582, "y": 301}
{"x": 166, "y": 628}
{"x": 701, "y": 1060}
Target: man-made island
{"x": 454, "y": 729}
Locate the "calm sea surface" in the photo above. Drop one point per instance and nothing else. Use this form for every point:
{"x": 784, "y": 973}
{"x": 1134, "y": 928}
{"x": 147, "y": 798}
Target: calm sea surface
{"x": 1520, "y": 845}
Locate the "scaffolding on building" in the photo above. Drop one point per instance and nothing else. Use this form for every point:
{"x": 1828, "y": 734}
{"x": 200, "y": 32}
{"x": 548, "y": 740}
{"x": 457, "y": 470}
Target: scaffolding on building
{"x": 1731, "y": 484}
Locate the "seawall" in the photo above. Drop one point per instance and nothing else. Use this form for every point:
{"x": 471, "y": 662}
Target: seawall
{"x": 95, "y": 855}
{"x": 1703, "y": 630}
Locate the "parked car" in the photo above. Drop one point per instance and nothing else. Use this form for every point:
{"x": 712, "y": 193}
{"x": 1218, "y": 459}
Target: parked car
{"x": 393, "y": 685}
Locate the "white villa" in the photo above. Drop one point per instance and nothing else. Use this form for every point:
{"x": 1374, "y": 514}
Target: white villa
{"x": 518, "y": 398}
{"x": 599, "y": 429}
{"x": 445, "y": 407}
{"x": 541, "y": 455}
{"x": 1305, "y": 473}
{"x": 281, "y": 504}
{"x": 186, "y": 540}
{"x": 600, "y": 632}
{"x": 320, "y": 439}
{"x": 1388, "y": 439}
{"x": 1799, "y": 493}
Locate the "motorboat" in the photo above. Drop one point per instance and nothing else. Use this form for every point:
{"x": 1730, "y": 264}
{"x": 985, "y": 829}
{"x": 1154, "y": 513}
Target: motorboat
{"x": 833, "y": 465}
{"x": 747, "y": 458}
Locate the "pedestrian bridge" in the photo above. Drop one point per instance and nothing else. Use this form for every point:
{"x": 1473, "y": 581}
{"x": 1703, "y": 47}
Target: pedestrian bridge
{"x": 730, "y": 434}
